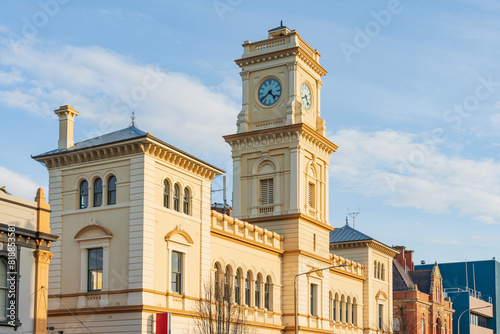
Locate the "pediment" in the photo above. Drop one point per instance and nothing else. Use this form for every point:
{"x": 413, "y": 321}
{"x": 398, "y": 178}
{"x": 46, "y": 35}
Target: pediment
{"x": 93, "y": 232}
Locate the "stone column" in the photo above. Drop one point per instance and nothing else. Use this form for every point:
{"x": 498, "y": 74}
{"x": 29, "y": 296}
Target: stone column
{"x": 42, "y": 260}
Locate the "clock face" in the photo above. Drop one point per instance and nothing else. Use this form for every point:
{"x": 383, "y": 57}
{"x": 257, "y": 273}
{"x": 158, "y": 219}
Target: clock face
{"x": 305, "y": 92}
{"x": 269, "y": 92}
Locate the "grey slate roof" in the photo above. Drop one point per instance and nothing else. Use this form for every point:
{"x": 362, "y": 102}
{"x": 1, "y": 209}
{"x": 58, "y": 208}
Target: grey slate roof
{"x": 423, "y": 279}
{"x": 347, "y": 233}
{"x": 401, "y": 278}
{"x": 113, "y": 137}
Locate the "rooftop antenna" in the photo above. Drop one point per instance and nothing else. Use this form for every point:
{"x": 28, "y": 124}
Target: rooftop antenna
{"x": 353, "y": 216}
{"x": 281, "y": 25}
{"x": 132, "y": 117}
{"x": 346, "y": 221}
{"x": 466, "y": 277}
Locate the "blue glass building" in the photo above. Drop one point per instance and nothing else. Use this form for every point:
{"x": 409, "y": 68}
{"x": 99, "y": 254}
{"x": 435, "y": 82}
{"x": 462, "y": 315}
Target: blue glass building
{"x": 474, "y": 289}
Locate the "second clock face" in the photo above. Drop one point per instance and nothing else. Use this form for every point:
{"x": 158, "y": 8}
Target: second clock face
{"x": 305, "y": 92}
{"x": 269, "y": 92}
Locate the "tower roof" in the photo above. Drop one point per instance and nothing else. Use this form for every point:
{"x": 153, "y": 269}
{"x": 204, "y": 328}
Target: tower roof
{"x": 347, "y": 233}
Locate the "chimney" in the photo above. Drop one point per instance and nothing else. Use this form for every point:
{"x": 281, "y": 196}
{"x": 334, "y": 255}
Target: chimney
{"x": 66, "y": 118}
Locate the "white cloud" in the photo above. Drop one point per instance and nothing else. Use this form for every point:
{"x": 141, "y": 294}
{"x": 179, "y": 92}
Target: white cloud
{"x": 18, "y": 185}
{"x": 106, "y": 87}
{"x": 409, "y": 171}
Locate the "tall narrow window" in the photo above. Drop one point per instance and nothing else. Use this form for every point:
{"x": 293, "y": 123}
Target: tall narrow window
{"x": 112, "y": 190}
{"x": 382, "y": 273}
{"x": 352, "y": 313}
{"x": 217, "y": 282}
{"x": 3, "y": 290}
{"x": 380, "y": 316}
{"x": 310, "y": 193}
{"x": 347, "y": 306}
{"x": 335, "y": 308}
{"x": 186, "y": 201}
{"x": 98, "y": 192}
{"x": 423, "y": 325}
{"x": 375, "y": 269}
{"x": 237, "y": 287}
{"x": 257, "y": 292}
{"x": 166, "y": 194}
{"x": 247, "y": 288}
{"x": 84, "y": 194}
{"x": 341, "y": 307}
{"x": 176, "y": 272}
{"x": 95, "y": 269}
{"x": 266, "y": 191}
{"x": 266, "y": 293}
{"x": 227, "y": 292}
{"x": 313, "y": 299}
{"x": 177, "y": 197}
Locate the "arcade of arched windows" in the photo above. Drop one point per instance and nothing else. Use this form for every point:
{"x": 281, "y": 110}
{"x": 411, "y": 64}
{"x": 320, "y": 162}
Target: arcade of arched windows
{"x": 379, "y": 270}
{"x": 343, "y": 308}
{"x": 244, "y": 287}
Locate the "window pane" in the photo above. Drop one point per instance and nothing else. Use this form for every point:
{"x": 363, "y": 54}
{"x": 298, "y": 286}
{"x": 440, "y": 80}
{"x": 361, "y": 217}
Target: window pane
{"x": 98, "y": 192}
{"x": 166, "y": 194}
{"x": 176, "y": 197}
{"x": 186, "y": 201}
{"x": 112, "y": 190}
{"x": 84, "y": 195}
{"x": 95, "y": 266}
{"x": 266, "y": 192}
{"x": 176, "y": 272}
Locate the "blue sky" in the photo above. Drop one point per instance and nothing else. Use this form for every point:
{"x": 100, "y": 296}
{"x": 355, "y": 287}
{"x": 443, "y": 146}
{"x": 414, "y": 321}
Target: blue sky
{"x": 412, "y": 99}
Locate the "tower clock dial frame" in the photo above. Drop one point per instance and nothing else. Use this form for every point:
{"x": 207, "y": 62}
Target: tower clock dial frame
{"x": 269, "y": 91}
{"x": 306, "y": 96}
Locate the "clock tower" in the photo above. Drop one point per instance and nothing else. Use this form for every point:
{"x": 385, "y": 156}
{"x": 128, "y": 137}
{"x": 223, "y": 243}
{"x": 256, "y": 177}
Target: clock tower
{"x": 280, "y": 154}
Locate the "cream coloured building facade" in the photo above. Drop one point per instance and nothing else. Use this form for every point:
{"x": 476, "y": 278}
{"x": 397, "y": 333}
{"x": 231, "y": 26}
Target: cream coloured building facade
{"x": 25, "y": 239}
{"x": 137, "y": 236}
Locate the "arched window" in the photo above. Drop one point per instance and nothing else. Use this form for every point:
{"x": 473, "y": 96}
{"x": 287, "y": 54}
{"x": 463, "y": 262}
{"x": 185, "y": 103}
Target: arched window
{"x": 257, "y": 291}
{"x": 330, "y": 305}
{"x": 84, "y": 194}
{"x": 354, "y": 311}
{"x": 166, "y": 194}
{"x": 267, "y": 293}
{"x": 396, "y": 326}
{"x": 217, "y": 282}
{"x": 423, "y": 325}
{"x": 341, "y": 305}
{"x": 98, "y": 192}
{"x": 227, "y": 291}
{"x": 3, "y": 290}
{"x": 335, "y": 303}
{"x": 111, "y": 190}
{"x": 378, "y": 270}
{"x": 247, "y": 288}
{"x": 176, "y": 197}
{"x": 382, "y": 274}
{"x": 375, "y": 269}
{"x": 348, "y": 307}
{"x": 237, "y": 287}
{"x": 186, "y": 201}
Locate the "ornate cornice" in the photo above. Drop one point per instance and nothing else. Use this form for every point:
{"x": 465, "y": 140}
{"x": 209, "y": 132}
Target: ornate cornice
{"x": 281, "y": 134}
{"x": 374, "y": 244}
{"x": 299, "y": 51}
{"x": 145, "y": 145}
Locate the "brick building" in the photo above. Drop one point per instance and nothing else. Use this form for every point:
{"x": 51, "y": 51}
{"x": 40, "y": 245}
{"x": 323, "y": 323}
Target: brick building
{"x": 419, "y": 303}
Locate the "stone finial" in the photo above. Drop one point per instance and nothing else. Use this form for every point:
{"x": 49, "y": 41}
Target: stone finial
{"x": 43, "y": 212}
